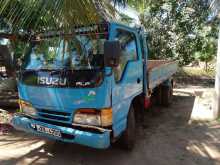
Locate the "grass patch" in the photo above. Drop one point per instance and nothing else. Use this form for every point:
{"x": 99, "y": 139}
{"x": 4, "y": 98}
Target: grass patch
{"x": 195, "y": 76}
{"x": 195, "y": 72}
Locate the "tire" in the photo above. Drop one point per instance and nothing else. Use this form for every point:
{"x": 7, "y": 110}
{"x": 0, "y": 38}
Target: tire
{"x": 128, "y": 137}
{"x": 167, "y": 95}
{"x": 158, "y": 95}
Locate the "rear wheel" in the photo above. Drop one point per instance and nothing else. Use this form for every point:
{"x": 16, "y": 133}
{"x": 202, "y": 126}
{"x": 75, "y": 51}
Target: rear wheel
{"x": 167, "y": 95}
{"x": 127, "y": 139}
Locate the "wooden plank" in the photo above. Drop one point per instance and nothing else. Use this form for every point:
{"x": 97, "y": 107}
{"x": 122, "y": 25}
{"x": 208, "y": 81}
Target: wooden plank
{"x": 160, "y": 71}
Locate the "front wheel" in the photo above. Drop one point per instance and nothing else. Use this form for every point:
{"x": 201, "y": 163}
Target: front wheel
{"x": 127, "y": 139}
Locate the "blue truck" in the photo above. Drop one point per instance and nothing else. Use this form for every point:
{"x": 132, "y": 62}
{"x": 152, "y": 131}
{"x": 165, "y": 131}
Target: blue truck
{"x": 89, "y": 85}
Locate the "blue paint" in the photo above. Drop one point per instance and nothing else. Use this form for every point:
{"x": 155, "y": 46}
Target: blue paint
{"x": 94, "y": 140}
{"x": 118, "y": 95}
{"x": 160, "y": 74}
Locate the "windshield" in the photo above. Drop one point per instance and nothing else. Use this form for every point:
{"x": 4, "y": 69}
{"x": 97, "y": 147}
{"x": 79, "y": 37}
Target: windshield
{"x": 80, "y": 52}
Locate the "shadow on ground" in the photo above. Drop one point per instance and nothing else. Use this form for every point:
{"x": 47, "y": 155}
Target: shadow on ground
{"x": 167, "y": 139}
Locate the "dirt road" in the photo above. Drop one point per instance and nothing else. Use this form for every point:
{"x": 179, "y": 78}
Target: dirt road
{"x": 167, "y": 139}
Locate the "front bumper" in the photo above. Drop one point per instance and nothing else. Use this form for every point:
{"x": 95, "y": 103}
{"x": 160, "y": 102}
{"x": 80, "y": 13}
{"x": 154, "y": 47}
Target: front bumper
{"x": 95, "y": 140}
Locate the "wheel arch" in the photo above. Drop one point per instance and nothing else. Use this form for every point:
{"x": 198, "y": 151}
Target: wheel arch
{"x": 120, "y": 125}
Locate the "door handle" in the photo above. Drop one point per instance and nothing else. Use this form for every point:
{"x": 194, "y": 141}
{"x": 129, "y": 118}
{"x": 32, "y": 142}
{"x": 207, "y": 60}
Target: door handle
{"x": 138, "y": 80}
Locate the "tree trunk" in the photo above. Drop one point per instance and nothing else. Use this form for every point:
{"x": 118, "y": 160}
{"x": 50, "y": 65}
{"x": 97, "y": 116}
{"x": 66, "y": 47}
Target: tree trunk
{"x": 206, "y": 66}
{"x": 217, "y": 83}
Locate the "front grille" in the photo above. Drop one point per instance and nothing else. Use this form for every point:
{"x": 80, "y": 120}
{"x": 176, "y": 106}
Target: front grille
{"x": 54, "y": 112}
{"x": 54, "y": 115}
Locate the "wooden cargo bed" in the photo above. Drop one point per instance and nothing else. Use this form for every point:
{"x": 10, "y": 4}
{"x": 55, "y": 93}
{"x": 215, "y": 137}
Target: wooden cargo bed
{"x": 159, "y": 71}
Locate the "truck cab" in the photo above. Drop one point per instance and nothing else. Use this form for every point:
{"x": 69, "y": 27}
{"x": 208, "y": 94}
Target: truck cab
{"x": 82, "y": 86}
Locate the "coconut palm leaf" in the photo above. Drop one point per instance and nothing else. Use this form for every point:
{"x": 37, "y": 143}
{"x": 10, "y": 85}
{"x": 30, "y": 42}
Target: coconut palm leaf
{"x": 38, "y": 15}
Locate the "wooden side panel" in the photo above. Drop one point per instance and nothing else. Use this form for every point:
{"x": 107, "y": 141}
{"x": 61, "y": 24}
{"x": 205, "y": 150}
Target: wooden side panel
{"x": 160, "y": 71}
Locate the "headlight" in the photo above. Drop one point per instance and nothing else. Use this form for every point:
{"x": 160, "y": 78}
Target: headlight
{"x": 94, "y": 117}
{"x": 27, "y": 108}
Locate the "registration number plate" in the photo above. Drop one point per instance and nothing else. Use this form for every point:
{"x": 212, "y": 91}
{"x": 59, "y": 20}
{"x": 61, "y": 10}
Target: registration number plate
{"x": 49, "y": 131}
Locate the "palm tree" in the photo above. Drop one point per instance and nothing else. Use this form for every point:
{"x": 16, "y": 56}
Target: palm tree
{"x": 37, "y": 15}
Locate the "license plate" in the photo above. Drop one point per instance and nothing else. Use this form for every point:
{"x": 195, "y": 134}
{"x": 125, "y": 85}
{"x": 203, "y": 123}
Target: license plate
{"x": 49, "y": 131}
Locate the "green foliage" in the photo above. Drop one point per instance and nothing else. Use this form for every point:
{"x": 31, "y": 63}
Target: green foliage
{"x": 179, "y": 29}
{"x": 208, "y": 45}
{"x": 195, "y": 72}
{"x": 41, "y": 15}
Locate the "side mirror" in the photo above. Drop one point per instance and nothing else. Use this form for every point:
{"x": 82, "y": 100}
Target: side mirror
{"x": 112, "y": 53}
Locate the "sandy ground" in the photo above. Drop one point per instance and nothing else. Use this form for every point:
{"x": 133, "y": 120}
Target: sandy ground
{"x": 167, "y": 139}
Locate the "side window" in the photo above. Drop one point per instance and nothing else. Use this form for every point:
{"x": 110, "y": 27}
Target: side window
{"x": 129, "y": 51}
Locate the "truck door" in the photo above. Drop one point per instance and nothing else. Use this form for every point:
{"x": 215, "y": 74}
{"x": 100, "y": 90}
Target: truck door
{"x": 128, "y": 76}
